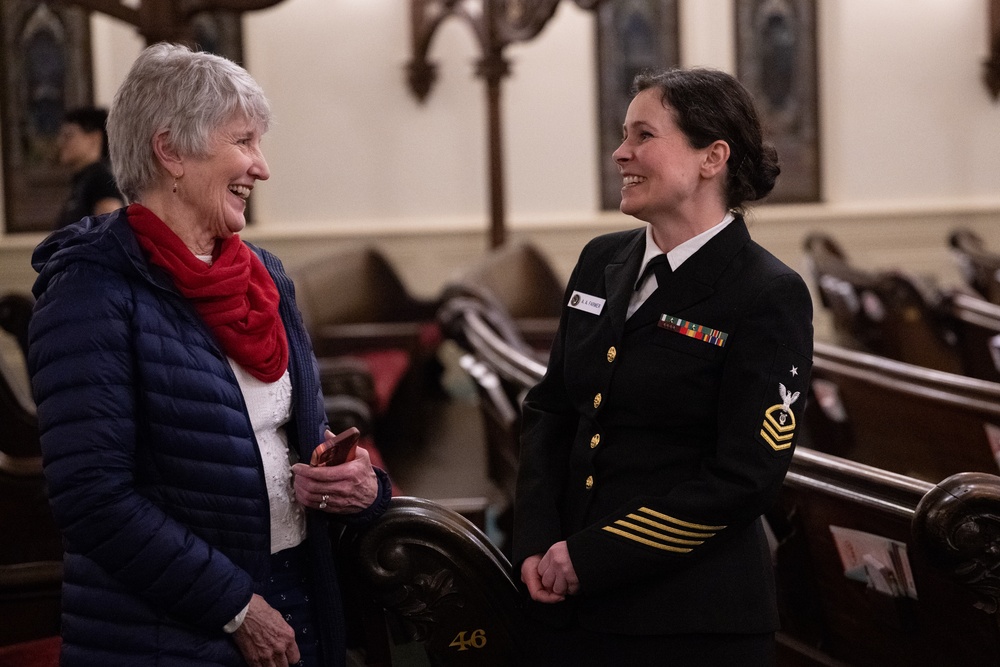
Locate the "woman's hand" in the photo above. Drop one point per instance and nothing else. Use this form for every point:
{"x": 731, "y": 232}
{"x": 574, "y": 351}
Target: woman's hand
{"x": 341, "y": 489}
{"x": 556, "y": 571}
{"x": 264, "y": 639}
{"x": 536, "y": 568}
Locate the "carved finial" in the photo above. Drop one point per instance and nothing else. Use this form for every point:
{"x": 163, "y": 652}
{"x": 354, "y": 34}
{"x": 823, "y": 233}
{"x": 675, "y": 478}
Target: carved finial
{"x": 957, "y": 524}
{"x": 421, "y": 76}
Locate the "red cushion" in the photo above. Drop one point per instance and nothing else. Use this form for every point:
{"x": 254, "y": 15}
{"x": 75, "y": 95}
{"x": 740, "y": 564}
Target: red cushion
{"x": 387, "y": 368}
{"x": 36, "y": 653}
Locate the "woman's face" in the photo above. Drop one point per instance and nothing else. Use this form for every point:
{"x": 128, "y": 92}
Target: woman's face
{"x": 659, "y": 167}
{"x": 215, "y": 187}
{"x": 77, "y": 147}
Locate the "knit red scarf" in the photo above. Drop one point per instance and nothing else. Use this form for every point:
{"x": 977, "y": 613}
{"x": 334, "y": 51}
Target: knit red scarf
{"x": 235, "y": 295}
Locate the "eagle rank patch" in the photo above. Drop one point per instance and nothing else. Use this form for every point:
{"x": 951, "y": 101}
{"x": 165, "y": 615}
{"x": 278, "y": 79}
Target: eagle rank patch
{"x": 779, "y": 421}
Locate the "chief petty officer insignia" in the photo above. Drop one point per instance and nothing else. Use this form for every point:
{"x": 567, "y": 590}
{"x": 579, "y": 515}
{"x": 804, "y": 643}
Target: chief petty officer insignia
{"x": 779, "y": 421}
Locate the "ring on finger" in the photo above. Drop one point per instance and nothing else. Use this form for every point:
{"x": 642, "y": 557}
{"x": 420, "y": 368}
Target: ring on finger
{"x": 322, "y": 502}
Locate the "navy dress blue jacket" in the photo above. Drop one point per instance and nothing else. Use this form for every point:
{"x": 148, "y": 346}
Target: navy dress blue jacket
{"x": 653, "y": 445}
{"x": 153, "y": 471}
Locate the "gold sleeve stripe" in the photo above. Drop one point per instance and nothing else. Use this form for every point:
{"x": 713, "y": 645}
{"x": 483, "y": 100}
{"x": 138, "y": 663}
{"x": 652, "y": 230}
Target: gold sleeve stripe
{"x": 686, "y": 524}
{"x": 661, "y": 536}
{"x": 642, "y": 540}
{"x": 669, "y": 529}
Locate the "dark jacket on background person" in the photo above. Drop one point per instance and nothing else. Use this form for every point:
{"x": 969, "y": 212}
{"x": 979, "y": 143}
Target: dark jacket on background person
{"x": 89, "y": 186}
{"x": 653, "y": 448}
{"x": 152, "y": 466}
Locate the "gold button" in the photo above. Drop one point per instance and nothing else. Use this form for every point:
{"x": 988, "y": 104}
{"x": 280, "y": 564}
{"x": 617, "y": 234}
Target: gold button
{"x": 612, "y": 353}
{"x": 596, "y": 440}
{"x": 590, "y": 482}
{"x": 597, "y": 400}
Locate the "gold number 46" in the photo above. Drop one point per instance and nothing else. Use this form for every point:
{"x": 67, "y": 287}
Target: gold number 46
{"x": 477, "y": 639}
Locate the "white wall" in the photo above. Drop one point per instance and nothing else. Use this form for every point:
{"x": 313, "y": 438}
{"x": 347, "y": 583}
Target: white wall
{"x": 910, "y": 136}
{"x": 904, "y": 115}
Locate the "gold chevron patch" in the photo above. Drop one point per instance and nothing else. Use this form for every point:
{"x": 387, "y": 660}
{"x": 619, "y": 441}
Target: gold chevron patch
{"x": 778, "y": 427}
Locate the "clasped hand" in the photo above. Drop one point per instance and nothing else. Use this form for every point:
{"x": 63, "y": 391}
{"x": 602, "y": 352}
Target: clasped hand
{"x": 341, "y": 489}
{"x": 265, "y": 639}
{"x": 550, "y": 577}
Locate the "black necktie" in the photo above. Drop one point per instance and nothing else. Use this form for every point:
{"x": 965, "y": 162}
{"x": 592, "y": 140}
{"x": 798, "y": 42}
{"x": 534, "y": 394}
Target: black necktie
{"x": 658, "y": 265}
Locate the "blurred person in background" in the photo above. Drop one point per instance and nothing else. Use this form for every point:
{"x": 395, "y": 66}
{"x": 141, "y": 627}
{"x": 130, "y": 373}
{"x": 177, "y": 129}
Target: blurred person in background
{"x": 83, "y": 147}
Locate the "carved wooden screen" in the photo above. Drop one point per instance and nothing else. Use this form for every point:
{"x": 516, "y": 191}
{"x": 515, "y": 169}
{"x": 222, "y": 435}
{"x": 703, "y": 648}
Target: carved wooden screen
{"x": 45, "y": 58}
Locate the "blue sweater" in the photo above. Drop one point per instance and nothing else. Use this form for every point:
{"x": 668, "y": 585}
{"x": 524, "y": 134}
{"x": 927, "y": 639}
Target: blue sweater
{"x": 153, "y": 470}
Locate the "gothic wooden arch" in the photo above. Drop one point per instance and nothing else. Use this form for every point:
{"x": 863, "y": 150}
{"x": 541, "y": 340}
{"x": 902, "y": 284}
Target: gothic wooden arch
{"x": 497, "y": 24}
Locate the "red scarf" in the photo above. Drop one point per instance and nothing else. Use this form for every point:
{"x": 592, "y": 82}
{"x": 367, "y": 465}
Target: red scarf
{"x": 235, "y": 295}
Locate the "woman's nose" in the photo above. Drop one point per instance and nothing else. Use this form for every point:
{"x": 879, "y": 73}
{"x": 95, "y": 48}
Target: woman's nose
{"x": 621, "y": 154}
{"x": 259, "y": 169}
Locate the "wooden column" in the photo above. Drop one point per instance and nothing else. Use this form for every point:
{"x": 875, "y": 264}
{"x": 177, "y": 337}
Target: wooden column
{"x": 496, "y": 24}
{"x": 991, "y": 68}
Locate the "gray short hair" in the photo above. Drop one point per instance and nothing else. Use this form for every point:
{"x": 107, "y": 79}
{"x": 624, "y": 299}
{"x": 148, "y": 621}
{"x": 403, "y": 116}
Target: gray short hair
{"x": 189, "y": 93}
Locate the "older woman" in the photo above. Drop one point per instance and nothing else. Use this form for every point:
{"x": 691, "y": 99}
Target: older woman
{"x": 177, "y": 391}
{"x": 666, "y": 419}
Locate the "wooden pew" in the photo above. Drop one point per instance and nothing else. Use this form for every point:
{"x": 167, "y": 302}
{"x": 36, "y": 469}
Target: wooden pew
{"x": 354, "y": 300}
{"x": 888, "y": 312}
{"x": 892, "y": 314}
{"x": 502, "y": 365}
{"x": 901, "y": 417}
{"x": 974, "y": 324}
{"x": 30, "y": 545}
{"x": 951, "y": 531}
{"x": 979, "y": 266}
{"x": 519, "y": 281}
{"x": 832, "y": 512}
{"x": 438, "y": 582}
{"x": 15, "y": 313}
{"x": 363, "y": 320}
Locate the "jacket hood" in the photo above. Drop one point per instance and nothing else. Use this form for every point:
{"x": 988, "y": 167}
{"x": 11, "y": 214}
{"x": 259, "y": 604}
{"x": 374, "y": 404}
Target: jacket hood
{"x": 105, "y": 240}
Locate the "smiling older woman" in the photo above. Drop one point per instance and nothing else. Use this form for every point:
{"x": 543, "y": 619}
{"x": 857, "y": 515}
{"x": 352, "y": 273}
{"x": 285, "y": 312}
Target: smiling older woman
{"x": 177, "y": 392}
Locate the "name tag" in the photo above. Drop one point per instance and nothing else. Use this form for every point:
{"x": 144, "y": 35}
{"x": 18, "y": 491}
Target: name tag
{"x": 587, "y": 303}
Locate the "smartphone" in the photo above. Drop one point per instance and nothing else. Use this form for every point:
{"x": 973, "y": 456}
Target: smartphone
{"x": 336, "y": 449}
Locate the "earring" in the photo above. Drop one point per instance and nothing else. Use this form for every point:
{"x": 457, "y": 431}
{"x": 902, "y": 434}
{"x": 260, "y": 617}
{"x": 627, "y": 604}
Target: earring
{"x": 175, "y": 185}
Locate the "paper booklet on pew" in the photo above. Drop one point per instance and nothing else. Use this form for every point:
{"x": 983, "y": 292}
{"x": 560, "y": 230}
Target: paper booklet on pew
{"x": 874, "y": 560}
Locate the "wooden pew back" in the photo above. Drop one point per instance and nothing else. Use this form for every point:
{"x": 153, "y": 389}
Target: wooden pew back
{"x": 888, "y": 313}
{"x": 442, "y": 583}
{"x": 15, "y": 313}
{"x": 355, "y": 300}
{"x": 974, "y": 324}
{"x": 833, "y": 512}
{"x": 373, "y": 338}
{"x": 900, "y": 417}
{"x": 519, "y": 281}
{"x": 978, "y": 265}
{"x": 503, "y": 367}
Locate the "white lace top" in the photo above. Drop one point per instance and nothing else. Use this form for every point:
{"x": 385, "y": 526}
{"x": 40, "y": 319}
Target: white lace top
{"x": 270, "y": 407}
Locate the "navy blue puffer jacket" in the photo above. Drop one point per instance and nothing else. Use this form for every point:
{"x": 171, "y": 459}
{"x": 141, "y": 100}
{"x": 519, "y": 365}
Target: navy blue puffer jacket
{"x": 153, "y": 470}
